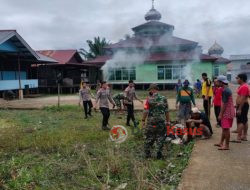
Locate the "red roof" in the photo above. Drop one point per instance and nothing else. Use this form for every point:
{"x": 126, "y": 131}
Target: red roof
{"x": 223, "y": 60}
{"x": 62, "y": 56}
{"x": 144, "y": 42}
{"x": 99, "y": 59}
{"x": 171, "y": 56}
{"x": 180, "y": 56}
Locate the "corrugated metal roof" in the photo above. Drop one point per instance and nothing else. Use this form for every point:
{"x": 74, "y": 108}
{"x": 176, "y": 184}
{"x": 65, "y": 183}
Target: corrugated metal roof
{"x": 62, "y": 56}
{"x": 13, "y": 35}
{"x": 46, "y": 59}
{"x": 179, "y": 56}
{"x": 222, "y": 60}
{"x": 156, "y": 41}
{"x": 152, "y": 23}
{"x": 6, "y": 34}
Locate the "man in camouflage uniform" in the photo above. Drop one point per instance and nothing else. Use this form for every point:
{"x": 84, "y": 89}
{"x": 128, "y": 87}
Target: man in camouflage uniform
{"x": 157, "y": 115}
{"x": 119, "y": 100}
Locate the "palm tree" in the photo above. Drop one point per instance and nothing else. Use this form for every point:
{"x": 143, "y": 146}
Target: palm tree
{"x": 96, "y": 48}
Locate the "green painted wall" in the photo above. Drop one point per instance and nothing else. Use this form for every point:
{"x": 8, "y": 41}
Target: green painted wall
{"x": 223, "y": 69}
{"x": 198, "y": 68}
{"x": 148, "y": 72}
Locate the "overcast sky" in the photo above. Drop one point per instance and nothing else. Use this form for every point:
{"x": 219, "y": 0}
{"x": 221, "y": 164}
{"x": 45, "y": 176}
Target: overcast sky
{"x": 64, "y": 24}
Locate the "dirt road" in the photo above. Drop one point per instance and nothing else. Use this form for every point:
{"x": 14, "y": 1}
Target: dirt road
{"x": 39, "y": 103}
{"x": 211, "y": 169}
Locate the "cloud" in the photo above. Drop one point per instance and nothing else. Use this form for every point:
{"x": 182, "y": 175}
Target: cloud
{"x": 64, "y": 24}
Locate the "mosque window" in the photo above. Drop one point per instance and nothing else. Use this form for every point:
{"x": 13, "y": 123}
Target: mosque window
{"x": 161, "y": 72}
{"x": 216, "y": 70}
{"x": 170, "y": 72}
{"x": 119, "y": 74}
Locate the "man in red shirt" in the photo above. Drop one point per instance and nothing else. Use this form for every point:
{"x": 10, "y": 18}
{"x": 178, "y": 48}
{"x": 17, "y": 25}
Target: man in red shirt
{"x": 242, "y": 108}
{"x": 217, "y": 100}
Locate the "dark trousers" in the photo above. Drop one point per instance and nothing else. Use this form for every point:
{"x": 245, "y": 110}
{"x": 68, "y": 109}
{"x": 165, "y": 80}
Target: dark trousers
{"x": 87, "y": 105}
{"x": 217, "y": 113}
{"x": 207, "y": 106}
{"x": 105, "y": 116}
{"x": 130, "y": 110}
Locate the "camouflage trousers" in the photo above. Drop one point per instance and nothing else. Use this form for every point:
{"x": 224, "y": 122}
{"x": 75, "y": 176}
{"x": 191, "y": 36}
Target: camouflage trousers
{"x": 155, "y": 134}
{"x": 118, "y": 102}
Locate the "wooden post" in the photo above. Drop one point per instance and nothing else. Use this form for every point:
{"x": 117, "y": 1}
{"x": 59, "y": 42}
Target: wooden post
{"x": 20, "y": 91}
{"x": 58, "y": 92}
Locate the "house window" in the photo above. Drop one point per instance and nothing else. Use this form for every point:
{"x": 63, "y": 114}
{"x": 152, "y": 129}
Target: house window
{"x": 216, "y": 70}
{"x": 122, "y": 74}
{"x": 171, "y": 72}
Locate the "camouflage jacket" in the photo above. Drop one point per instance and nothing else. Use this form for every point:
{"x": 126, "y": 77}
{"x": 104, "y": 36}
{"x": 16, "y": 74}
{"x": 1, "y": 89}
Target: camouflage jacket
{"x": 119, "y": 96}
{"x": 157, "y": 107}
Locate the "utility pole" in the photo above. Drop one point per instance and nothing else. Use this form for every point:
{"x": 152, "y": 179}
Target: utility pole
{"x": 58, "y": 92}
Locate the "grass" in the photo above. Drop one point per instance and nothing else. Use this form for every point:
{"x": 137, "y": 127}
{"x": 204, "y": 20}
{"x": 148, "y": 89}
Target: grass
{"x": 56, "y": 148}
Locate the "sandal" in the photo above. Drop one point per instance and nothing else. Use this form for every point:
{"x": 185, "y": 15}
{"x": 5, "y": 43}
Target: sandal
{"x": 219, "y": 145}
{"x": 223, "y": 148}
{"x": 234, "y": 131}
{"x": 244, "y": 140}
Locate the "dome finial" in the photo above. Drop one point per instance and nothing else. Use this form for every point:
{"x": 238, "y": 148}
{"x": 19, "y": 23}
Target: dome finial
{"x": 216, "y": 49}
{"x": 153, "y": 14}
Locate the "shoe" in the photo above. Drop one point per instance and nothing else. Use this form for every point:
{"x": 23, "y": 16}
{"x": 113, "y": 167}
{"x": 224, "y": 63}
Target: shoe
{"x": 127, "y": 124}
{"x": 105, "y": 128}
{"x": 86, "y": 117}
{"x": 159, "y": 155}
{"x": 90, "y": 114}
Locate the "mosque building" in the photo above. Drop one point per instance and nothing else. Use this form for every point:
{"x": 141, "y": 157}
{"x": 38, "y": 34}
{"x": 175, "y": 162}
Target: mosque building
{"x": 162, "y": 57}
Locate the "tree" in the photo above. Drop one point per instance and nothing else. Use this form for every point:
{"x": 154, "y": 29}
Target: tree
{"x": 96, "y": 48}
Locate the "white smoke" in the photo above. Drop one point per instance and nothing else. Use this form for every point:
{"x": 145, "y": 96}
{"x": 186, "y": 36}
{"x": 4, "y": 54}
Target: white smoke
{"x": 122, "y": 59}
{"x": 188, "y": 70}
{"x": 127, "y": 58}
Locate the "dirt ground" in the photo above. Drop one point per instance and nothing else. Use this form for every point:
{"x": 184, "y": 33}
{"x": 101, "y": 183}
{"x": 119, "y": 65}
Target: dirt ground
{"x": 211, "y": 169}
{"x": 39, "y": 103}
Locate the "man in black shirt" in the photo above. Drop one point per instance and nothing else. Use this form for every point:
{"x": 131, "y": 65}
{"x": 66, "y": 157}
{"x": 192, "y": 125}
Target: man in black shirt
{"x": 201, "y": 122}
